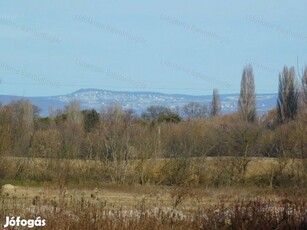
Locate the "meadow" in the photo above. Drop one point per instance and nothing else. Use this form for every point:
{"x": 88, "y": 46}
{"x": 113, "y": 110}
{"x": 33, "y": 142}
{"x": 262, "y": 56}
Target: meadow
{"x": 80, "y": 198}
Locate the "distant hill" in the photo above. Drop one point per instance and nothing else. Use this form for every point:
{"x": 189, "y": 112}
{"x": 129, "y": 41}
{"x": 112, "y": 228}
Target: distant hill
{"x": 139, "y": 101}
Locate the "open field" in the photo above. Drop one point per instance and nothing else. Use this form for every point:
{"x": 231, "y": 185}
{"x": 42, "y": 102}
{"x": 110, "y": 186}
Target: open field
{"x": 183, "y": 193}
{"x": 157, "y": 207}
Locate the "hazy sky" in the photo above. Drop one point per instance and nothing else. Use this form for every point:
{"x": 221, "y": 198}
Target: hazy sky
{"x": 190, "y": 47}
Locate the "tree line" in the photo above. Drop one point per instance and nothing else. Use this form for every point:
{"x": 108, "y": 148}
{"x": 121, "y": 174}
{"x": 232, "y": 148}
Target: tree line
{"x": 160, "y": 132}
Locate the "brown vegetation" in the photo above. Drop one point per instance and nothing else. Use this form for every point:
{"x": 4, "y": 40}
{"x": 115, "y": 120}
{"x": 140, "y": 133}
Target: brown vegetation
{"x": 157, "y": 208}
{"x": 197, "y": 148}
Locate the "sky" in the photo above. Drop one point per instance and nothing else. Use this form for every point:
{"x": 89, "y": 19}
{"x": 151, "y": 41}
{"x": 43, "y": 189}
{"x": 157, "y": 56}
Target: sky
{"x": 185, "y": 47}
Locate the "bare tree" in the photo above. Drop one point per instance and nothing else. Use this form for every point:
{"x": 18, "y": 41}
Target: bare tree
{"x": 74, "y": 115}
{"x": 23, "y": 126}
{"x": 216, "y": 103}
{"x": 247, "y": 99}
{"x": 304, "y": 89}
{"x": 73, "y": 130}
{"x": 114, "y": 113}
{"x": 288, "y": 95}
{"x": 195, "y": 110}
{"x": 6, "y": 130}
{"x": 46, "y": 143}
{"x": 154, "y": 112}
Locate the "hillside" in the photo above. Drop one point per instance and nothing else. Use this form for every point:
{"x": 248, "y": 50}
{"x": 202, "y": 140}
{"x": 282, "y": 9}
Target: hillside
{"x": 95, "y": 98}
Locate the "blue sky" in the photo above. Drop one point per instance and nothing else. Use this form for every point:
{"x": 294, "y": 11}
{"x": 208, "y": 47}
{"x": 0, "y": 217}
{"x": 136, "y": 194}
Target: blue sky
{"x": 57, "y": 47}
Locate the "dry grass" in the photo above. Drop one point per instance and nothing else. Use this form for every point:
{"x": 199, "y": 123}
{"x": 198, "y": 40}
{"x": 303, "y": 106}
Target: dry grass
{"x": 206, "y": 171}
{"x": 152, "y": 207}
{"x": 79, "y": 194}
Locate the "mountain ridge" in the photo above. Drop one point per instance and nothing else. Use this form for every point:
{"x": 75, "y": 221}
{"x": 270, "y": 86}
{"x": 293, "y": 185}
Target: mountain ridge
{"x": 91, "y": 98}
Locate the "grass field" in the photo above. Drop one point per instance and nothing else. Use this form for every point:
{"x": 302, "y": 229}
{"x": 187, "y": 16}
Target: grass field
{"x": 121, "y": 205}
{"x": 79, "y": 194}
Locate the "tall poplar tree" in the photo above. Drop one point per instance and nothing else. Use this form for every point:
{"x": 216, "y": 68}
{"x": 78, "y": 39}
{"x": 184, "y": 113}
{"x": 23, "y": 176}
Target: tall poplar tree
{"x": 247, "y": 100}
{"x": 216, "y": 103}
{"x": 288, "y": 95}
